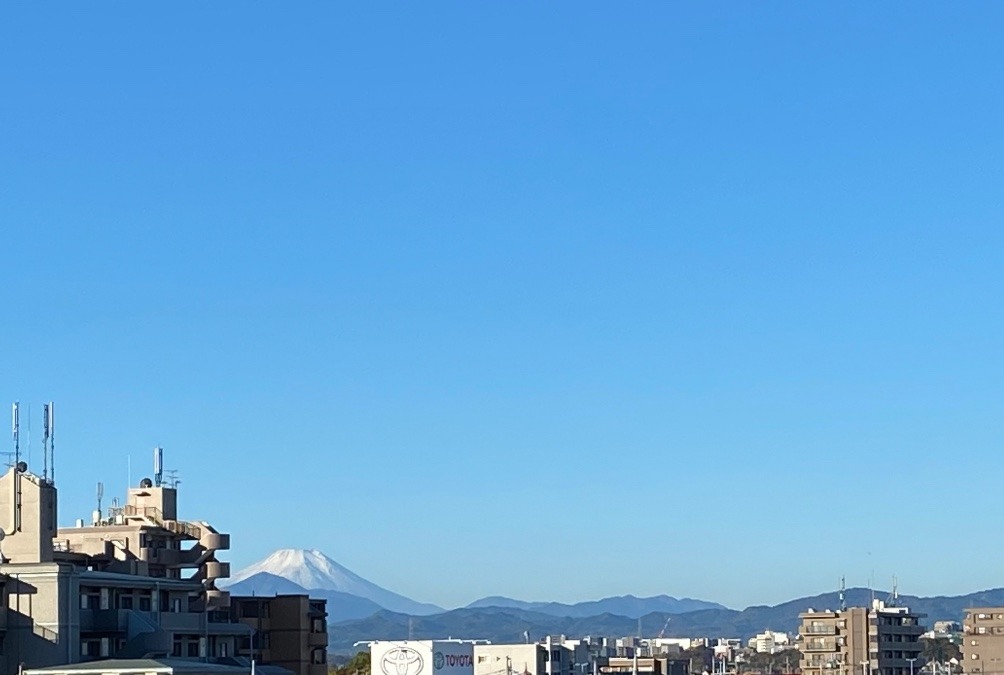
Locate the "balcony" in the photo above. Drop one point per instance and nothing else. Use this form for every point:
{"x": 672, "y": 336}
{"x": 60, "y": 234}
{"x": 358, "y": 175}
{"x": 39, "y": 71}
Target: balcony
{"x": 317, "y": 639}
{"x": 102, "y": 620}
{"x": 182, "y": 622}
{"x": 820, "y": 630}
{"x": 889, "y": 645}
{"x": 812, "y": 646}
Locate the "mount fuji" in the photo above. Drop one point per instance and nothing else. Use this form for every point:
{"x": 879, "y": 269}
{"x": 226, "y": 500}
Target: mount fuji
{"x": 294, "y": 570}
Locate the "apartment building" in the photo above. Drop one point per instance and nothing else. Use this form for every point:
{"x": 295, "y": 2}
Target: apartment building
{"x": 983, "y": 641}
{"x": 104, "y": 590}
{"x": 136, "y": 583}
{"x": 768, "y": 642}
{"x": 878, "y": 641}
{"x": 290, "y": 631}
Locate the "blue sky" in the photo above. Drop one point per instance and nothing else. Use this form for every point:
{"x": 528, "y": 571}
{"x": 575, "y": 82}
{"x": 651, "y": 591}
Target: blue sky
{"x": 491, "y": 294}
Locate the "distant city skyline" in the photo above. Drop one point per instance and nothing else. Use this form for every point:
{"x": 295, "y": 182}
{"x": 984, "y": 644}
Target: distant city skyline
{"x": 555, "y": 302}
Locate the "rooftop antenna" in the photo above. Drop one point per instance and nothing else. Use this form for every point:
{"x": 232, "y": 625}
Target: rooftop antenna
{"x": 871, "y": 580}
{"x": 15, "y": 415}
{"x": 50, "y": 416}
{"x": 843, "y": 600}
{"x": 29, "y": 434}
{"x": 101, "y": 494}
{"x": 15, "y": 430}
{"x": 158, "y": 466}
{"x": 894, "y": 598}
{"x": 45, "y": 440}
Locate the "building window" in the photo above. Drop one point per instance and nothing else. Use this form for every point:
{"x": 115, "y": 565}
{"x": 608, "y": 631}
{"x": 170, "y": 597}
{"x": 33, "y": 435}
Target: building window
{"x": 145, "y": 604}
{"x": 193, "y": 649}
{"x": 125, "y": 602}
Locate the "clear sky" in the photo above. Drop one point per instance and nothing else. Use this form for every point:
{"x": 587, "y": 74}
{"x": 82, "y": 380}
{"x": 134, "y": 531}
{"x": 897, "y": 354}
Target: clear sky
{"x": 548, "y": 300}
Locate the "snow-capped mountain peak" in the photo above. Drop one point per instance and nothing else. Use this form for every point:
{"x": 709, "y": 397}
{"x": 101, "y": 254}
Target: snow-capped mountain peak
{"x": 310, "y": 569}
{"x": 313, "y": 570}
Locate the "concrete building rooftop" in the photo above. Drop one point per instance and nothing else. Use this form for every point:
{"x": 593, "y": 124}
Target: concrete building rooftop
{"x": 143, "y": 666}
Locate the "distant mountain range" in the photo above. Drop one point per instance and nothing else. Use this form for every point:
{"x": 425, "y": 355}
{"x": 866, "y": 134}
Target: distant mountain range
{"x": 623, "y": 605}
{"x": 360, "y": 610}
{"x": 349, "y": 596}
{"x": 506, "y": 624}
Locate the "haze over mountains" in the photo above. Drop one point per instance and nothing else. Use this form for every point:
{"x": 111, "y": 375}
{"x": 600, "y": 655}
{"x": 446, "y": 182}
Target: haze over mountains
{"x": 360, "y": 610}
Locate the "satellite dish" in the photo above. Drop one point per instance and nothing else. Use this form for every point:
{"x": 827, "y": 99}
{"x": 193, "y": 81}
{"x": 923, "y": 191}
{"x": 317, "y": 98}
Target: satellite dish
{"x": 146, "y": 483}
{"x": 22, "y": 467}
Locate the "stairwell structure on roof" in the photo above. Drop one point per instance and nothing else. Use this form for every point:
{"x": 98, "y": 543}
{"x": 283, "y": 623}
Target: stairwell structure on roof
{"x": 146, "y": 537}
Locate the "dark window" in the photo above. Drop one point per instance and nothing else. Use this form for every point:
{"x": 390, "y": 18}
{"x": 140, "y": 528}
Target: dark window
{"x": 125, "y": 602}
{"x": 193, "y": 648}
{"x": 145, "y": 604}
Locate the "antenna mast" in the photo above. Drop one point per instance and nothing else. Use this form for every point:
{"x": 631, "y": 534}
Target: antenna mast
{"x": 50, "y": 417}
{"x": 158, "y": 466}
{"x": 15, "y": 427}
{"x": 101, "y": 493}
{"x": 15, "y": 414}
{"x": 45, "y": 442}
{"x": 843, "y": 600}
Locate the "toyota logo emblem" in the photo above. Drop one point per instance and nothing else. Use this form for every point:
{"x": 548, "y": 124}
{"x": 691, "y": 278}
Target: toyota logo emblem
{"x": 401, "y": 661}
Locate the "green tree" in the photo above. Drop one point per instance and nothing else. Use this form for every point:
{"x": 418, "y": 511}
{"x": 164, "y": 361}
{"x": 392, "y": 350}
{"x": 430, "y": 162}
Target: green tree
{"x": 785, "y": 661}
{"x": 940, "y": 649}
{"x": 699, "y": 658}
{"x": 357, "y": 665}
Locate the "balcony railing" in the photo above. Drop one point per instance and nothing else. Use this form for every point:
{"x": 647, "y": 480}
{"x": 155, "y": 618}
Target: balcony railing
{"x": 819, "y": 647}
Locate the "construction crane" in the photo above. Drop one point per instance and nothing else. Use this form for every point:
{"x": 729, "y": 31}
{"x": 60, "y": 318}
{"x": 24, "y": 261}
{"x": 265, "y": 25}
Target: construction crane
{"x": 662, "y": 633}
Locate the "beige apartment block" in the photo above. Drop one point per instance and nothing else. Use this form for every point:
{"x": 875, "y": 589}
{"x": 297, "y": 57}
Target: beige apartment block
{"x": 983, "y": 641}
{"x": 878, "y": 641}
{"x": 137, "y": 582}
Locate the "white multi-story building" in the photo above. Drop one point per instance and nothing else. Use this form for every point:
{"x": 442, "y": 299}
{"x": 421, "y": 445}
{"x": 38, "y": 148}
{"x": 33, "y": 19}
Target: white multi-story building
{"x": 551, "y": 656}
{"x": 769, "y": 642}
